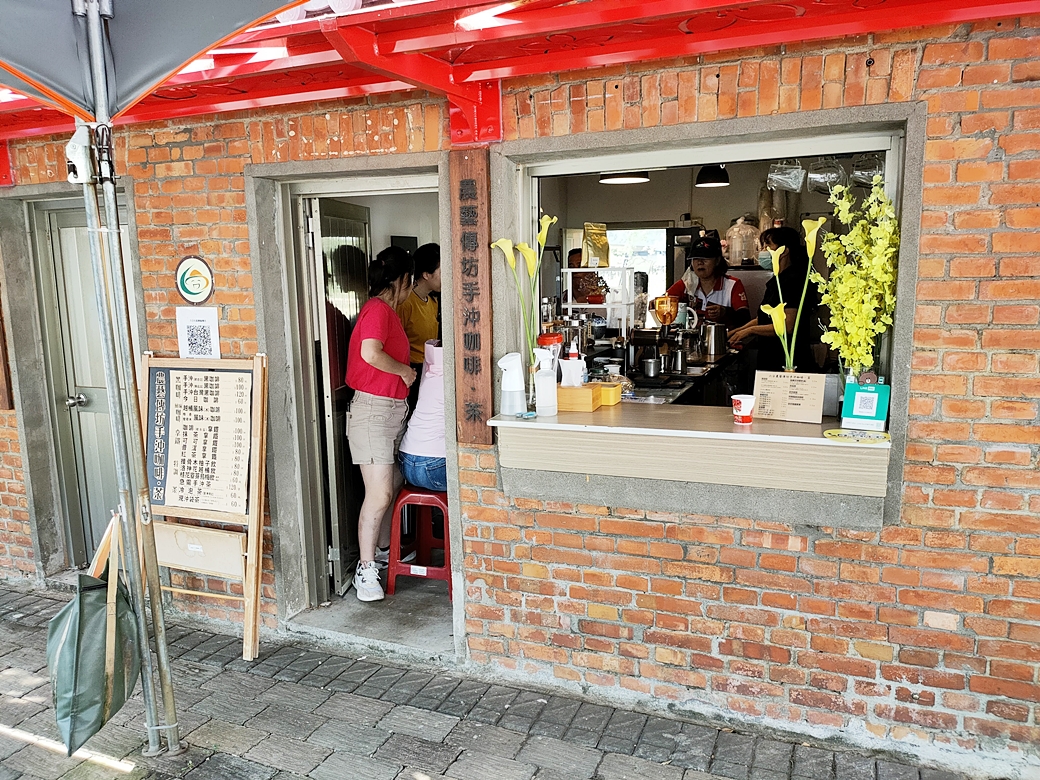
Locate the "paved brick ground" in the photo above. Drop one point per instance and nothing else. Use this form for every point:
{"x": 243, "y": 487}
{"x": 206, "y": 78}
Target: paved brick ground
{"x": 295, "y": 713}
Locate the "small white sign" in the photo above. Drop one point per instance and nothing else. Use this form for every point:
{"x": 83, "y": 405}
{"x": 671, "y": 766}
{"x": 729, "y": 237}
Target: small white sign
{"x": 198, "y": 335}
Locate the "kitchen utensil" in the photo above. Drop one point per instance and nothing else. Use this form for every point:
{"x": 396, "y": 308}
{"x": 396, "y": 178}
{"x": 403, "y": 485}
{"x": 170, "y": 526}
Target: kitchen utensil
{"x": 651, "y": 367}
{"x": 786, "y": 175}
{"x": 679, "y": 362}
{"x": 715, "y": 339}
{"x": 825, "y": 174}
{"x": 666, "y": 307}
{"x": 666, "y": 362}
{"x": 866, "y": 166}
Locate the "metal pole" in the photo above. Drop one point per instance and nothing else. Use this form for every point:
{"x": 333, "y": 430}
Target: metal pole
{"x": 115, "y": 410}
{"x": 117, "y": 287}
{"x": 107, "y": 307}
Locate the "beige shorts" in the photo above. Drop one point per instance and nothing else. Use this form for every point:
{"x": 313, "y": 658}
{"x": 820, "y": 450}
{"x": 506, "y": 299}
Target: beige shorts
{"x": 375, "y": 427}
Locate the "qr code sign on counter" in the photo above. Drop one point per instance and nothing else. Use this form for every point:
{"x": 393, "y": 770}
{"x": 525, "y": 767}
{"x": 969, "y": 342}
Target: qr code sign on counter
{"x": 200, "y": 341}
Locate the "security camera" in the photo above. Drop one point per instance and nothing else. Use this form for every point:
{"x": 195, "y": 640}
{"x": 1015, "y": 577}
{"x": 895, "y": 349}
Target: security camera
{"x": 78, "y": 157}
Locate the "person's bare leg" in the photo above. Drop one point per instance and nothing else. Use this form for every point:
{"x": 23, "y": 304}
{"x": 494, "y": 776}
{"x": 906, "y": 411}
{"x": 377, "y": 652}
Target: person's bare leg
{"x": 388, "y": 516}
{"x": 379, "y": 480}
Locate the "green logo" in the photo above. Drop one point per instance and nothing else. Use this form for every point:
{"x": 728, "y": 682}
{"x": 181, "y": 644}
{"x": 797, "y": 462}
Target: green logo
{"x": 194, "y": 280}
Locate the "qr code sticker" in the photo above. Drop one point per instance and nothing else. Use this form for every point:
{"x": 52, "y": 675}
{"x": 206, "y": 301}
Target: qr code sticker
{"x": 200, "y": 341}
{"x": 866, "y": 405}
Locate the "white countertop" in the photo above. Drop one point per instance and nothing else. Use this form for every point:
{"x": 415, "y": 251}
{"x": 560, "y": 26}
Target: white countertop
{"x": 695, "y": 422}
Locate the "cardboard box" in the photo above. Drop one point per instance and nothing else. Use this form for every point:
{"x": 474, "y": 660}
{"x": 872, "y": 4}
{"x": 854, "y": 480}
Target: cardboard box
{"x": 587, "y": 398}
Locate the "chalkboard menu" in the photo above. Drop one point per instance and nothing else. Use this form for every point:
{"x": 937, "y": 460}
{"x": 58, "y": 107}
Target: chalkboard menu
{"x": 199, "y": 437}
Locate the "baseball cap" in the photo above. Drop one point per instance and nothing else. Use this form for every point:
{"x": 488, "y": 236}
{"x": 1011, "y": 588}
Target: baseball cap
{"x": 705, "y": 246}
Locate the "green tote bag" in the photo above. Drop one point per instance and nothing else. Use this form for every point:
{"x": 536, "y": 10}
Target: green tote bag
{"x": 92, "y": 654}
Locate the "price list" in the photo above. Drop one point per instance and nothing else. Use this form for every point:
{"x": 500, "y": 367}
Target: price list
{"x": 199, "y": 439}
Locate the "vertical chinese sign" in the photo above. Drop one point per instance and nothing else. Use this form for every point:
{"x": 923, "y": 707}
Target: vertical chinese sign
{"x": 471, "y": 292}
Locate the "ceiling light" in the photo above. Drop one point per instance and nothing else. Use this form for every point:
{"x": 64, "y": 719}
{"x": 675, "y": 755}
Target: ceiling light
{"x": 626, "y": 177}
{"x": 712, "y": 176}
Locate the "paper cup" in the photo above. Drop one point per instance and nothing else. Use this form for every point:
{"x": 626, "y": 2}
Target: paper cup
{"x": 742, "y": 406}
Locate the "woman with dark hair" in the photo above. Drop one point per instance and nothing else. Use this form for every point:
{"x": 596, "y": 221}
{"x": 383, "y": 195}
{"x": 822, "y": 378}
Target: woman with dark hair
{"x": 379, "y": 372}
{"x": 706, "y": 287}
{"x": 419, "y": 312}
{"x": 788, "y": 277}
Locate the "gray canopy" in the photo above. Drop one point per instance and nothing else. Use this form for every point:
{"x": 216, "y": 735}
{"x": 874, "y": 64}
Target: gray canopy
{"x": 43, "y": 46}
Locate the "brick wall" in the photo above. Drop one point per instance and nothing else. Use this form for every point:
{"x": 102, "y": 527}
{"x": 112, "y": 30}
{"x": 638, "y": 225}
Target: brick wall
{"x": 189, "y": 198}
{"x": 16, "y": 551}
{"x": 927, "y": 630}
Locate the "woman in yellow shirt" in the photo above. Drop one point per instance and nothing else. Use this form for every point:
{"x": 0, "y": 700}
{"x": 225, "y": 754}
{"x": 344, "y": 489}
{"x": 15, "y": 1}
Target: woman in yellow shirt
{"x": 420, "y": 312}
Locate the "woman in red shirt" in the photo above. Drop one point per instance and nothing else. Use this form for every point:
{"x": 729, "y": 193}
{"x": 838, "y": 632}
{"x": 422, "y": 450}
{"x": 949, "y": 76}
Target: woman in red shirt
{"x": 708, "y": 289}
{"x": 379, "y": 373}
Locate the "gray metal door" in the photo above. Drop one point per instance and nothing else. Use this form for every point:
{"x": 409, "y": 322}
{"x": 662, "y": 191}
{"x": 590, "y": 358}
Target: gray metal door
{"x": 72, "y": 340}
{"x": 339, "y": 248}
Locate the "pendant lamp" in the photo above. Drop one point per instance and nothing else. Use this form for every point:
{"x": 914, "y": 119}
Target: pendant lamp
{"x": 627, "y": 177}
{"x": 712, "y": 176}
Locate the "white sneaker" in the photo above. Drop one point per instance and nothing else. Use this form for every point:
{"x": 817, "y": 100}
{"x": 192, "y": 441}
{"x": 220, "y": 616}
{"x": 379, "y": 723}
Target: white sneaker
{"x": 383, "y": 557}
{"x": 366, "y": 582}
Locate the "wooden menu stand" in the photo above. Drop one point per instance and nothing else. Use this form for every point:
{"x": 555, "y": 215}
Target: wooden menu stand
{"x": 204, "y": 402}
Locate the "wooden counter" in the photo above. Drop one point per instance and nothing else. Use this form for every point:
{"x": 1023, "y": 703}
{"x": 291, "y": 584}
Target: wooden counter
{"x": 694, "y": 444}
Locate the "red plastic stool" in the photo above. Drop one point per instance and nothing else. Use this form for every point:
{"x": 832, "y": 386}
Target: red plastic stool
{"x": 425, "y": 542}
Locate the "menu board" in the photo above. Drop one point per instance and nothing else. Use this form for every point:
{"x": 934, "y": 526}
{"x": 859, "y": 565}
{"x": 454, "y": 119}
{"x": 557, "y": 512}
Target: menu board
{"x": 199, "y": 435}
{"x": 783, "y": 395}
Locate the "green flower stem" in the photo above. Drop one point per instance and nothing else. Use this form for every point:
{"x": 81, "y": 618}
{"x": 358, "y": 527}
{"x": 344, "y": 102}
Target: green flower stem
{"x": 798, "y": 316}
{"x": 788, "y": 359}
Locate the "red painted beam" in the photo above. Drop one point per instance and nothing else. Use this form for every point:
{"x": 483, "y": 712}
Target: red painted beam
{"x": 541, "y": 22}
{"x": 260, "y": 98}
{"x": 6, "y": 174}
{"x": 894, "y": 15}
{"x": 475, "y": 113}
{"x": 385, "y": 13}
{"x": 32, "y": 124}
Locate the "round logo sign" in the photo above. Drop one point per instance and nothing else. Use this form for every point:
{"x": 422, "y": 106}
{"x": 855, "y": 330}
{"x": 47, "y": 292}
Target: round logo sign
{"x": 194, "y": 280}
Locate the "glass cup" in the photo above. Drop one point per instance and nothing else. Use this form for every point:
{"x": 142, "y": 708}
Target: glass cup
{"x": 742, "y": 406}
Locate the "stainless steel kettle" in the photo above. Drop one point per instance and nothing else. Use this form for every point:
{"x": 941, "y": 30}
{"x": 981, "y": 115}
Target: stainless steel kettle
{"x": 715, "y": 339}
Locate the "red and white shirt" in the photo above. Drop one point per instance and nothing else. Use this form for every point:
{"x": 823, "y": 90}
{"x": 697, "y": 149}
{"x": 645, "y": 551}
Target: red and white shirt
{"x": 728, "y": 291}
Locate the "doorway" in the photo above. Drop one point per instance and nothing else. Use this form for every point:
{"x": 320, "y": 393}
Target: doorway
{"x": 76, "y": 391}
{"x": 336, "y": 234}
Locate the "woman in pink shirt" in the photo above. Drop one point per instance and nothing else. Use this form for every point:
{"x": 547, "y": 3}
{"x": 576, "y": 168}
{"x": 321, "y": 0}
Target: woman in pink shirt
{"x": 379, "y": 372}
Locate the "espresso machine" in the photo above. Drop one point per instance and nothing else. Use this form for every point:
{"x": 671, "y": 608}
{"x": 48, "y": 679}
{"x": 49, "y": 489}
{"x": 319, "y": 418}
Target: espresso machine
{"x": 653, "y": 351}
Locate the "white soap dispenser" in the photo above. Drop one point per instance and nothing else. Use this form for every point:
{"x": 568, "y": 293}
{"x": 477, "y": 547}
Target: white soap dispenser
{"x": 513, "y": 401}
{"x": 545, "y": 404}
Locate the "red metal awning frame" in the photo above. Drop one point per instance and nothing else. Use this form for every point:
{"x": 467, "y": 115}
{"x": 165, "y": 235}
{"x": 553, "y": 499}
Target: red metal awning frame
{"x": 429, "y": 46}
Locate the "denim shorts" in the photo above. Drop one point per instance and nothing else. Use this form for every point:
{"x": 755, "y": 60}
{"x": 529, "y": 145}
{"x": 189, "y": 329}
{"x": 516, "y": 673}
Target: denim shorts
{"x": 424, "y": 472}
{"x": 375, "y": 427}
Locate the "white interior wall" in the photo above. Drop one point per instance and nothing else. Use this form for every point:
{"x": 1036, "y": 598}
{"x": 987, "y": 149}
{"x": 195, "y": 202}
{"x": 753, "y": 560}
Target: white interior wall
{"x": 669, "y": 194}
{"x": 404, "y": 214}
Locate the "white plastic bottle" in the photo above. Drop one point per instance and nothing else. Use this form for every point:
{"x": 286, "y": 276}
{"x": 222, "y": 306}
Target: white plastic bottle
{"x": 545, "y": 404}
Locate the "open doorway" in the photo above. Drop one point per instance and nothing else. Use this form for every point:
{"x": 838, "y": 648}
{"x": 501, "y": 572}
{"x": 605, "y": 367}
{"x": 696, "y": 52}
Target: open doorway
{"x": 336, "y": 237}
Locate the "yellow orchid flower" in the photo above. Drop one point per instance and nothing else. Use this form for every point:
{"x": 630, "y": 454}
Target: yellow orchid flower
{"x": 530, "y": 257}
{"x": 506, "y": 245}
{"x": 546, "y": 222}
{"x": 779, "y": 316}
{"x": 811, "y": 228}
